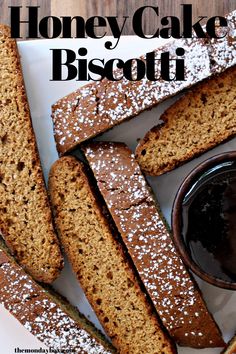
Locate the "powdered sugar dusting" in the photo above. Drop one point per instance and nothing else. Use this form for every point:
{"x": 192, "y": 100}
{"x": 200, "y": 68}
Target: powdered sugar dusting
{"x": 223, "y": 51}
{"x": 40, "y": 315}
{"x": 99, "y": 106}
{"x": 145, "y": 234}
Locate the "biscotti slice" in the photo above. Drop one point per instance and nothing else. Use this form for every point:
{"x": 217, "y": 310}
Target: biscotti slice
{"x": 231, "y": 347}
{"x": 46, "y": 315}
{"x": 197, "y": 122}
{"x": 99, "y": 106}
{"x": 100, "y": 264}
{"x": 25, "y": 216}
{"x": 173, "y": 291}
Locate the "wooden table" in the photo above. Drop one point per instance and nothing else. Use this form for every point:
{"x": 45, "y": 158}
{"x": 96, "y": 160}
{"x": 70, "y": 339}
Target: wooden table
{"x": 88, "y": 8}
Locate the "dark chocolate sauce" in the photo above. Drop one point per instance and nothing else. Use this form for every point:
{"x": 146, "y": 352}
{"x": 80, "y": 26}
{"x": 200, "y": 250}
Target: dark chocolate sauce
{"x": 209, "y": 221}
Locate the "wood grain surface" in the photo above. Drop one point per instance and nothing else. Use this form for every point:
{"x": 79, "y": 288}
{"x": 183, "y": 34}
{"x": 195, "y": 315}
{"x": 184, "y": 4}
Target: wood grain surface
{"x": 88, "y": 8}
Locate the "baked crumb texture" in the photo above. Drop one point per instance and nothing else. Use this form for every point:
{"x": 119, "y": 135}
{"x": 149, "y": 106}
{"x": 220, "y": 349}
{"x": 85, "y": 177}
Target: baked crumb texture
{"x": 54, "y": 322}
{"x": 130, "y": 201}
{"x": 197, "y": 122}
{"x": 97, "y": 107}
{"x": 101, "y": 265}
{"x": 25, "y": 216}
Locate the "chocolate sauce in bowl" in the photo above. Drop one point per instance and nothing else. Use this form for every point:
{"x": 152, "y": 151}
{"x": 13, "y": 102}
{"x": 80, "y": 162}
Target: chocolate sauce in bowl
{"x": 209, "y": 221}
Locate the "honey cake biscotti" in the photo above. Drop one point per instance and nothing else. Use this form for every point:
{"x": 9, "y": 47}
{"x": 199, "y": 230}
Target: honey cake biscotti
{"x": 172, "y": 289}
{"x": 25, "y": 215}
{"x": 203, "y": 118}
{"x": 97, "y": 107}
{"x": 100, "y": 264}
{"x": 46, "y": 315}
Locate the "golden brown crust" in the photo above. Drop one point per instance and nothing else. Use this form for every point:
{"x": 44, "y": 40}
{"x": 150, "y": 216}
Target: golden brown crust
{"x": 100, "y": 263}
{"x": 200, "y": 120}
{"x": 25, "y": 217}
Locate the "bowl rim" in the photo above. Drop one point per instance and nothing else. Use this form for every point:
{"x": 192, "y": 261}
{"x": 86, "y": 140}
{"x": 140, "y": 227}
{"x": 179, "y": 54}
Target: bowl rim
{"x": 176, "y": 220}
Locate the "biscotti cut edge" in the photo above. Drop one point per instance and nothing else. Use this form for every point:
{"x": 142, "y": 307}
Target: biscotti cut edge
{"x": 197, "y": 122}
{"x": 172, "y": 289}
{"x": 47, "y": 315}
{"x": 100, "y": 264}
{"x": 25, "y": 215}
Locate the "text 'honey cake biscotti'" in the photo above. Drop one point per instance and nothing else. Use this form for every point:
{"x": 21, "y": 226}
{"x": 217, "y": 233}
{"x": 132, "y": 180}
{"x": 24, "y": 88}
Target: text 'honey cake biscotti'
{"x": 25, "y": 216}
{"x": 134, "y": 210}
{"x": 97, "y": 107}
{"x": 197, "y": 122}
{"x": 47, "y": 316}
{"x": 100, "y": 264}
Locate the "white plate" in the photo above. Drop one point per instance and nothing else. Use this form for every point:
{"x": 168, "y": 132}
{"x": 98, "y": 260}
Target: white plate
{"x": 36, "y": 61}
